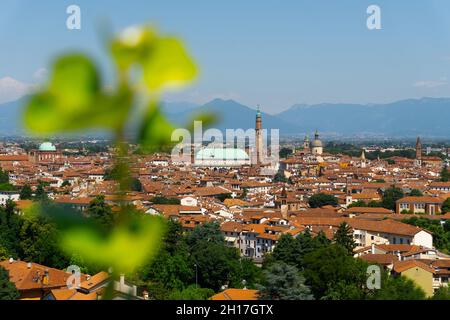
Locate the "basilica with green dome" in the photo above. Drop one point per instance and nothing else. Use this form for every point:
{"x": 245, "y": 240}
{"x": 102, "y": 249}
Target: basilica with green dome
{"x": 46, "y": 152}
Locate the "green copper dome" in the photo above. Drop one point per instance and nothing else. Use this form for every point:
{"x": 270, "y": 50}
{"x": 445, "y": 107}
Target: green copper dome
{"x": 47, "y": 146}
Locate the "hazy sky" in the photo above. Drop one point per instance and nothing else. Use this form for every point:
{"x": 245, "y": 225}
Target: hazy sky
{"x": 272, "y": 53}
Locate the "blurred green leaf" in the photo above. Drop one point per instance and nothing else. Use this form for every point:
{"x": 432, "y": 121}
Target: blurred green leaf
{"x": 168, "y": 65}
{"x": 74, "y": 101}
{"x": 132, "y": 45}
{"x": 156, "y": 130}
{"x": 75, "y": 83}
{"x": 127, "y": 247}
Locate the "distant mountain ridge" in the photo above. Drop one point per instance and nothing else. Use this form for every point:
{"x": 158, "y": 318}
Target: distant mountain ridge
{"x": 233, "y": 115}
{"x": 404, "y": 118}
{"x": 411, "y": 117}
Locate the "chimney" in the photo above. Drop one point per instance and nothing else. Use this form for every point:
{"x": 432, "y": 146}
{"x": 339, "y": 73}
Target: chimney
{"x": 399, "y": 256}
{"x": 122, "y": 281}
{"x": 284, "y": 211}
{"x": 29, "y": 265}
{"x": 11, "y": 260}
{"x": 373, "y": 248}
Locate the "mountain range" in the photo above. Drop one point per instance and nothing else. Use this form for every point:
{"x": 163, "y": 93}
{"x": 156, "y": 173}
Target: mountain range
{"x": 428, "y": 117}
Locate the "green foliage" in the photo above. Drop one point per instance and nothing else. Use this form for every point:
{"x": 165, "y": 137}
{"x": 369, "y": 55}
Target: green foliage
{"x": 4, "y": 254}
{"x": 8, "y": 290}
{"x": 207, "y": 232}
{"x": 283, "y": 282}
{"x": 416, "y": 193}
{"x": 285, "y": 152}
{"x": 39, "y": 242}
{"x": 292, "y": 250}
{"x": 26, "y": 193}
{"x": 224, "y": 196}
{"x": 374, "y": 204}
{"x": 191, "y": 293}
{"x": 443, "y": 293}
{"x": 7, "y": 187}
{"x": 217, "y": 264}
{"x": 330, "y": 271}
{"x": 280, "y": 177}
{"x": 344, "y": 238}
{"x": 321, "y": 199}
{"x": 355, "y": 151}
{"x": 4, "y": 176}
{"x": 441, "y": 233}
{"x": 10, "y": 225}
{"x": 201, "y": 255}
{"x": 76, "y": 99}
{"x": 446, "y": 206}
{"x": 101, "y": 212}
{"x": 397, "y": 288}
{"x": 164, "y": 200}
{"x": 136, "y": 185}
{"x": 390, "y": 196}
{"x": 65, "y": 183}
{"x": 40, "y": 194}
{"x": 445, "y": 175}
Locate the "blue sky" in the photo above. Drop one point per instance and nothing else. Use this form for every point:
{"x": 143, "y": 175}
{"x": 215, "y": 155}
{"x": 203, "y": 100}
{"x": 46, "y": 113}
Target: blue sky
{"x": 272, "y": 53}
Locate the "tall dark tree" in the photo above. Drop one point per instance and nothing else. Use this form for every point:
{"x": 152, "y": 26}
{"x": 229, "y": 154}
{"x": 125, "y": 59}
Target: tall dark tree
{"x": 101, "y": 212}
{"x": 344, "y": 237}
{"x": 292, "y": 251}
{"x": 280, "y": 177}
{"x": 283, "y": 282}
{"x": 321, "y": 199}
{"x": 39, "y": 243}
{"x": 4, "y": 176}
{"x": 446, "y": 206}
{"x": 8, "y": 290}
{"x": 390, "y": 196}
{"x": 26, "y": 193}
{"x": 40, "y": 194}
{"x": 288, "y": 250}
{"x": 217, "y": 265}
{"x": 135, "y": 185}
{"x": 416, "y": 193}
{"x": 445, "y": 174}
{"x": 209, "y": 232}
{"x": 331, "y": 272}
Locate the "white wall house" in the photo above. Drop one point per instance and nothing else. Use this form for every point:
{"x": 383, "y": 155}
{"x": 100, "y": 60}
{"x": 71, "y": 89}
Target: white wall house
{"x": 8, "y": 195}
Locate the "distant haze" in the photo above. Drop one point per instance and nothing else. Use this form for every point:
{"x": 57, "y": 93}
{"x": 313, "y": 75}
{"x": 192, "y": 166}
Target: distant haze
{"x": 426, "y": 117}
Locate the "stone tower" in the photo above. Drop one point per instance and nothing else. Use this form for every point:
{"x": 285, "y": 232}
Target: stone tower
{"x": 258, "y": 137}
{"x": 418, "y": 161}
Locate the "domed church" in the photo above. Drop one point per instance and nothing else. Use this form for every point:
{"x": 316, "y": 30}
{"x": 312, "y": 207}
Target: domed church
{"x": 45, "y": 153}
